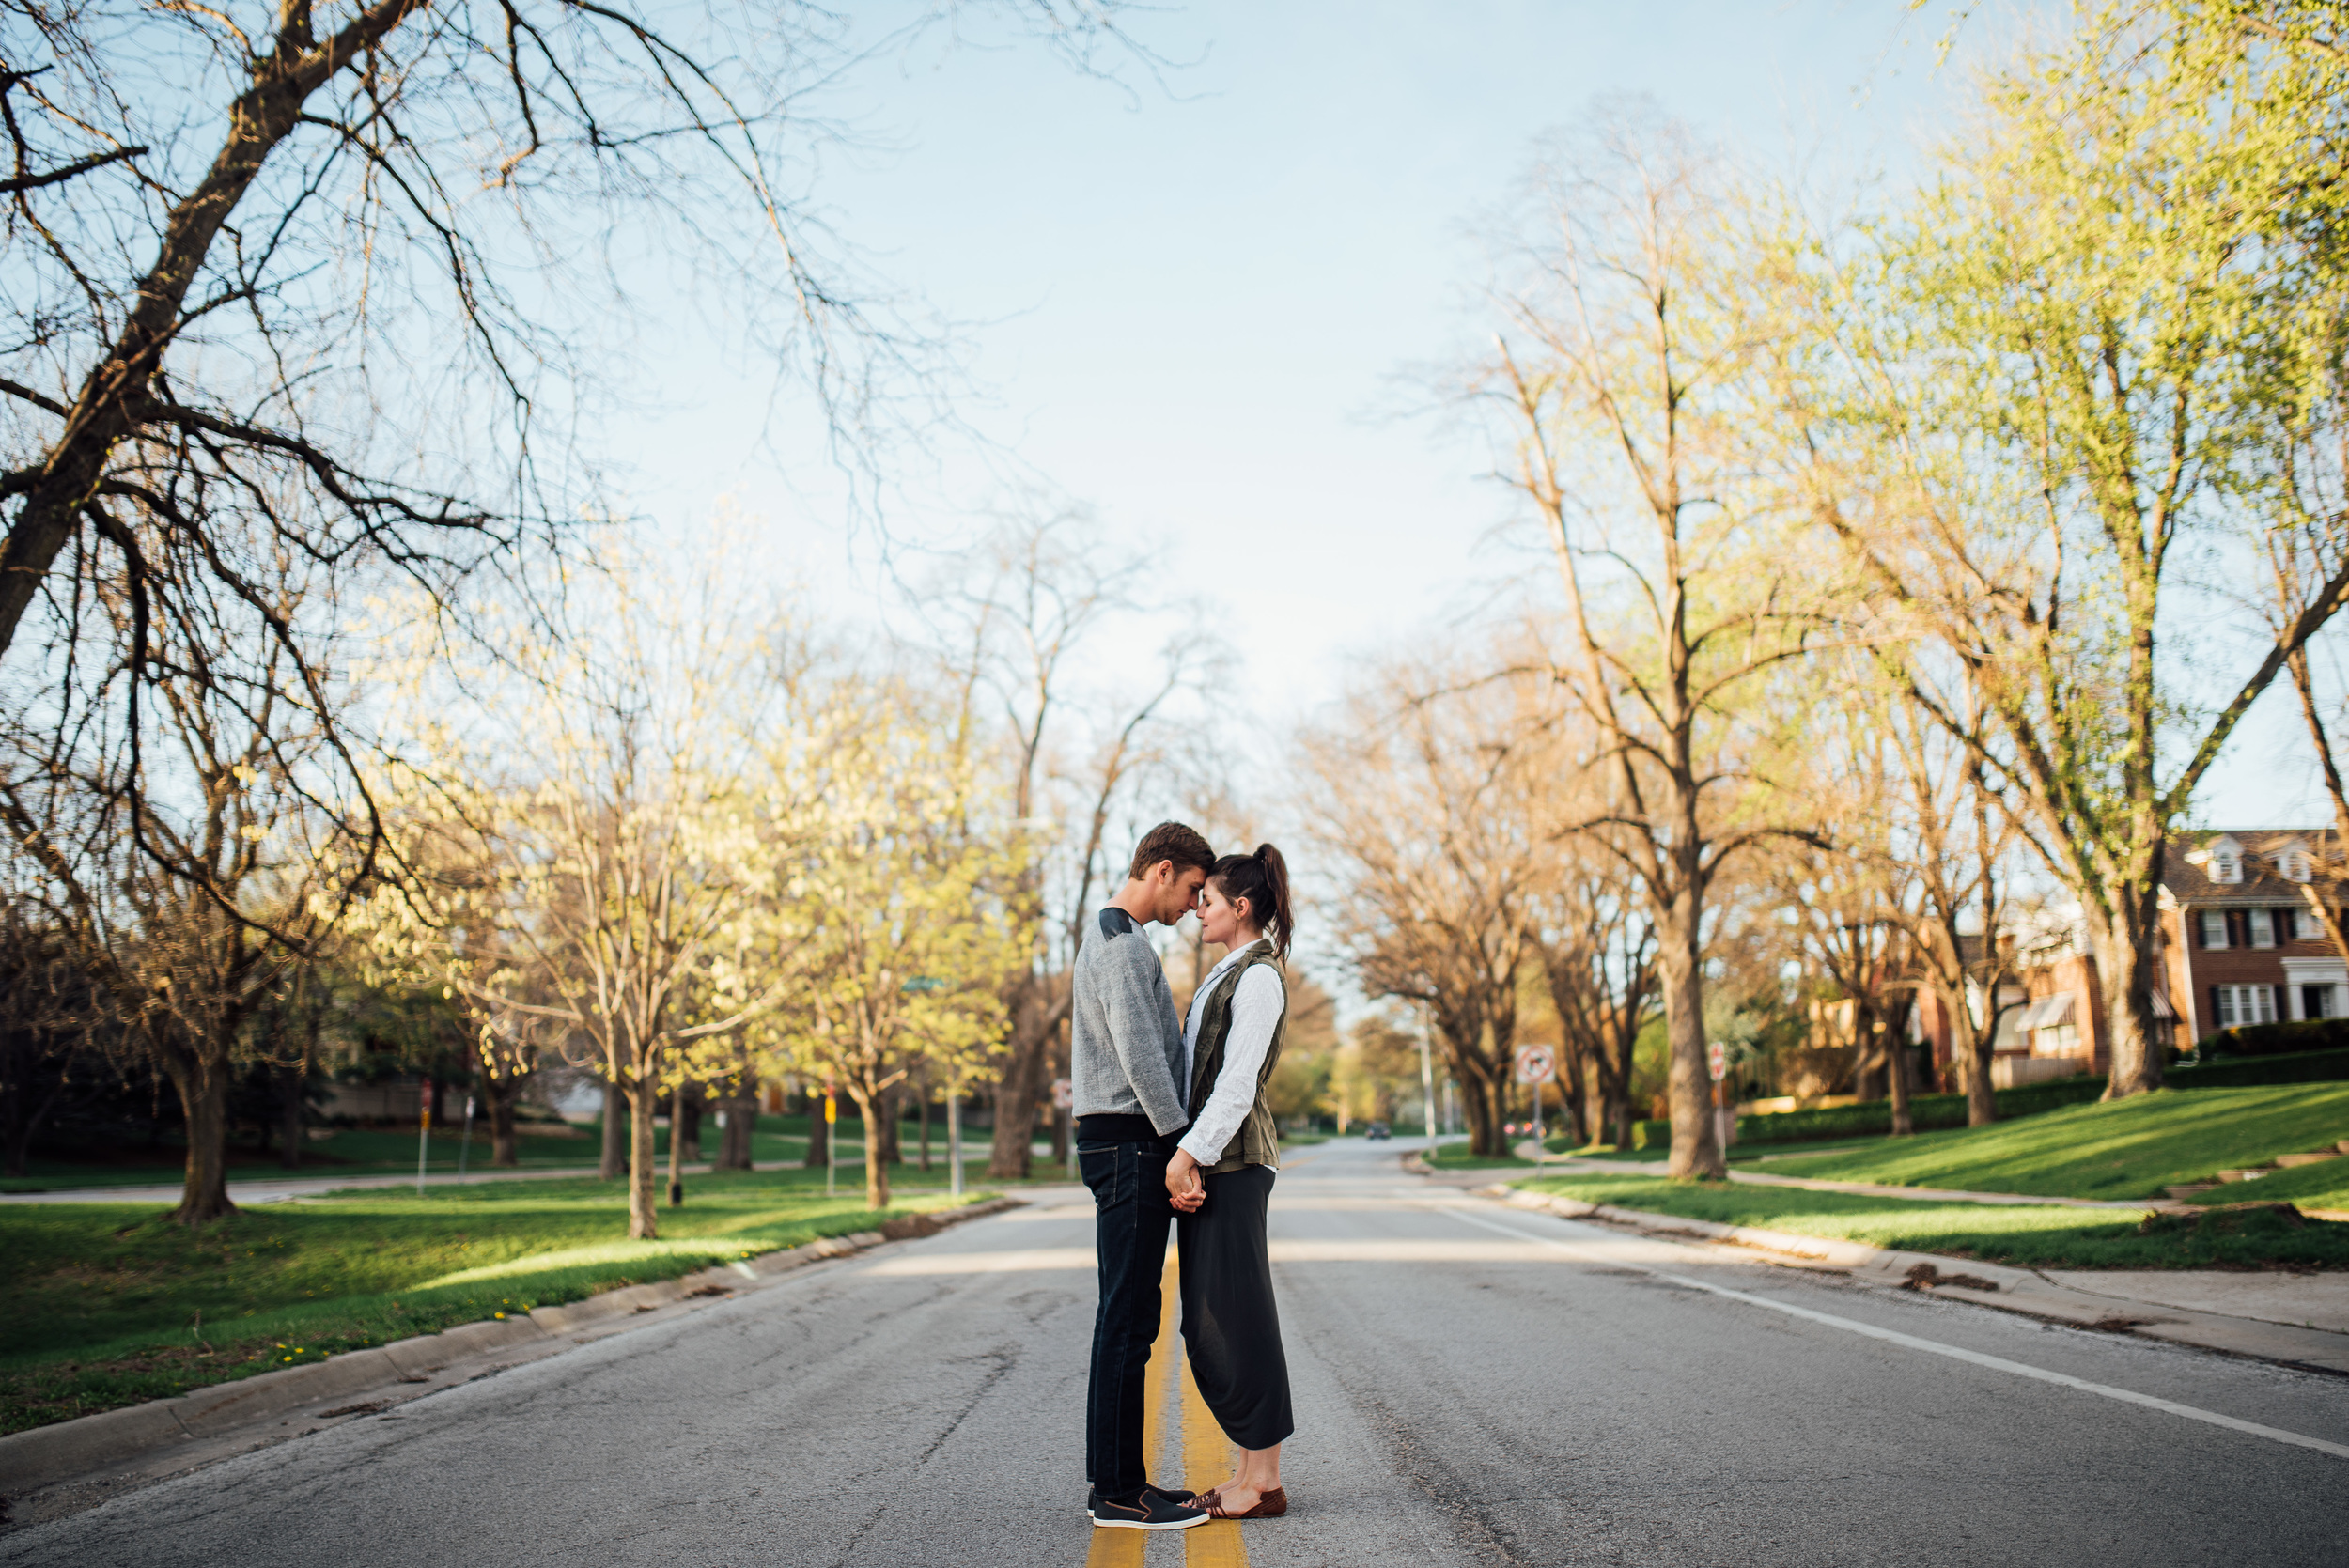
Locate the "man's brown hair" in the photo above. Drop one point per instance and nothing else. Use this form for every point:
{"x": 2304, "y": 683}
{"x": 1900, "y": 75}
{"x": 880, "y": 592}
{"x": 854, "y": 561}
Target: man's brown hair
{"x": 1172, "y": 840}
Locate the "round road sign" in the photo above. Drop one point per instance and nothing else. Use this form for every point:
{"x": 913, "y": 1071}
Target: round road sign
{"x": 1536, "y": 1065}
{"x": 1716, "y": 1058}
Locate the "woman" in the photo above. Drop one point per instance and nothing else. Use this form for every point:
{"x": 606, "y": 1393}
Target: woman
{"x": 1221, "y": 1177}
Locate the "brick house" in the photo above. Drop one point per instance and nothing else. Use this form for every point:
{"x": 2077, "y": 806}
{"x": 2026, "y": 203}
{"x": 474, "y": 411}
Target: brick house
{"x": 2238, "y": 945}
{"x": 2052, "y": 1022}
{"x": 2243, "y": 946}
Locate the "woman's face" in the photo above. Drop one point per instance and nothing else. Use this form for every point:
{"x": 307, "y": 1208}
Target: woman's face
{"x": 1225, "y": 923}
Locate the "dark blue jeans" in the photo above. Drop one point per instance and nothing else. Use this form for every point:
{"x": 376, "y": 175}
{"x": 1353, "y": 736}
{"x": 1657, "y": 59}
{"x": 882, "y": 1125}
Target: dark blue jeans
{"x": 1130, "y": 1219}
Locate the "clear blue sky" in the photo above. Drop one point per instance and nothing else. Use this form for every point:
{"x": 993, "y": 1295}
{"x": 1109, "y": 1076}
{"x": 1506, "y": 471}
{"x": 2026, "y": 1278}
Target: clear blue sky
{"x": 1201, "y": 298}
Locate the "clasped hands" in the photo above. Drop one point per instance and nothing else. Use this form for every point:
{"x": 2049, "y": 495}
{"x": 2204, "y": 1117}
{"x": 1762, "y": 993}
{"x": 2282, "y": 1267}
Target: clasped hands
{"x": 1184, "y": 1188}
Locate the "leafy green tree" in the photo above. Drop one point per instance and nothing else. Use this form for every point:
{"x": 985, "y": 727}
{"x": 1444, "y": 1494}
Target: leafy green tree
{"x": 2095, "y": 356}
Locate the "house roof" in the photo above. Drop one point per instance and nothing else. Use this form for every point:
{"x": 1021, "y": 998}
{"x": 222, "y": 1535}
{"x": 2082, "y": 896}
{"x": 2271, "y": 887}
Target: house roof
{"x": 2186, "y": 869}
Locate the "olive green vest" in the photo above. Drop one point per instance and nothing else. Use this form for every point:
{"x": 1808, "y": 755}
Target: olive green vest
{"x": 1258, "y": 1142}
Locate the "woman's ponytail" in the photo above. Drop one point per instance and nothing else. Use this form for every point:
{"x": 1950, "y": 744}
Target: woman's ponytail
{"x": 1263, "y": 879}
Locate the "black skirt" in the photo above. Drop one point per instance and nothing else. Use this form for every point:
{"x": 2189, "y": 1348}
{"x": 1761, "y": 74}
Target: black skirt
{"x": 1231, "y": 1329}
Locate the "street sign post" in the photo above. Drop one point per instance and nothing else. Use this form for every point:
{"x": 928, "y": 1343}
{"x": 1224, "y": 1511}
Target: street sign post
{"x": 465, "y": 1146}
{"x": 424, "y": 1136}
{"x": 1537, "y": 1066}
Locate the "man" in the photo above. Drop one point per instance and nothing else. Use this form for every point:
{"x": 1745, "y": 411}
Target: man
{"x": 1126, "y": 1059}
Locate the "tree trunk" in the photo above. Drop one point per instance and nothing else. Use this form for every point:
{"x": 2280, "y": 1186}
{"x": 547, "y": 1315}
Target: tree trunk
{"x": 1482, "y": 1098}
{"x": 1573, "y": 1095}
{"x": 1695, "y": 1151}
{"x": 1894, "y": 1025}
{"x": 292, "y": 1082}
{"x": 734, "y": 1143}
{"x": 2125, "y": 953}
{"x": 876, "y": 1169}
{"x": 891, "y": 1151}
{"x": 204, "y": 1099}
{"x": 1009, "y": 1153}
{"x": 28, "y": 1126}
{"x": 504, "y": 1144}
{"x": 685, "y": 1124}
{"x": 643, "y": 1171}
{"x": 921, "y": 1108}
{"x": 819, "y": 1135}
{"x": 1969, "y": 1050}
{"x": 615, "y": 1158}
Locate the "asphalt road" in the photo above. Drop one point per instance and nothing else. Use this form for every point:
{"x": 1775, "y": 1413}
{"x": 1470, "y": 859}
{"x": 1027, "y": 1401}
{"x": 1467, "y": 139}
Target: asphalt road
{"x": 1473, "y": 1384}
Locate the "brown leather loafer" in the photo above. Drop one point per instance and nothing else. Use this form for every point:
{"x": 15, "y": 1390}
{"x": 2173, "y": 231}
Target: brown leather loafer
{"x": 1269, "y": 1506}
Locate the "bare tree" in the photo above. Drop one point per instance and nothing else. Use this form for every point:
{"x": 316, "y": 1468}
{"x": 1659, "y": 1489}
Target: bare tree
{"x": 1425, "y": 797}
{"x": 1044, "y": 593}
{"x": 1596, "y": 946}
{"x": 184, "y": 854}
{"x": 1617, "y": 374}
{"x": 269, "y": 250}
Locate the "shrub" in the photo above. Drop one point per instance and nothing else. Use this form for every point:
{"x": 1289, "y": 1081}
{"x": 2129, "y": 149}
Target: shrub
{"x": 1657, "y": 1134}
{"x": 2316, "y": 1066}
{"x": 1925, "y": 1112}
{"x": 2278, "y": 1039}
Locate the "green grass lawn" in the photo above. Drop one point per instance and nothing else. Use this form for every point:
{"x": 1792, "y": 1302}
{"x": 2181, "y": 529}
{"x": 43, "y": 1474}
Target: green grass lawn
{"x": 2131, "y": 1148}
{"x": 103, "y": 1297}
{"x": 1453, "y": 1155}
{"x": 2032, "y": 1236}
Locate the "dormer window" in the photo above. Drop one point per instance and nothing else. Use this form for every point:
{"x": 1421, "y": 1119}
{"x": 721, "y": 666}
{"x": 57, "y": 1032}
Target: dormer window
{"x": 2296, "y": 866}
{"x": 2225, "y": 866}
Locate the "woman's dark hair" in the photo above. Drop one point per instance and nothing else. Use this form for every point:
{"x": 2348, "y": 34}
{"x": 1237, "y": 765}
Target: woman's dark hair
{"x": 1263, "y": 879}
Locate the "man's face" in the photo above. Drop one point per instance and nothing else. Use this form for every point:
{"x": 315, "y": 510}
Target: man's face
{"x": 1177, "y": 890}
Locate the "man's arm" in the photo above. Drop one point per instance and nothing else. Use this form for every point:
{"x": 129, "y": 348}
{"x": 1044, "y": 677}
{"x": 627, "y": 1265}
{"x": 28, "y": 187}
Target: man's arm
{"x": 1140, "y": 1020}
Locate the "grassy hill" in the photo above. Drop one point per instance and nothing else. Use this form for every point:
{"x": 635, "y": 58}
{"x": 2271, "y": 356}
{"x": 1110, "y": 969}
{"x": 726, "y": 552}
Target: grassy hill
{"x": 2130, "y": 1148}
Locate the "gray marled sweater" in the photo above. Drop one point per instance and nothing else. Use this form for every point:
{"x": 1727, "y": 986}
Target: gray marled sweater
{"x": 1125, "y": 1041}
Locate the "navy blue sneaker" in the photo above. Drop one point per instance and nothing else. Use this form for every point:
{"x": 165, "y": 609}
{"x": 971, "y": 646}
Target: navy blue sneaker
{"x": 1148, "y": 1508}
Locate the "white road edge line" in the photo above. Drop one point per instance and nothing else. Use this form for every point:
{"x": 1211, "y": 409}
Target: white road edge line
{"x": 1932, "y": 1347}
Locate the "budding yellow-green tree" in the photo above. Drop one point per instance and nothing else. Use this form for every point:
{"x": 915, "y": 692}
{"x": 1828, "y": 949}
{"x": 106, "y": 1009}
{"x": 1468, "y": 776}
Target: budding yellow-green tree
{"x": 607, "y": 800}
{"x": 2086, "y": 358}
{"x": 895, "y": 909}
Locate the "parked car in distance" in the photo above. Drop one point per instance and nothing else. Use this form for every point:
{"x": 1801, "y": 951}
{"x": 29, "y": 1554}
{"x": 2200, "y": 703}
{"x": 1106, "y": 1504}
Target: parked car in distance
{"x": 1376, "y": 1130}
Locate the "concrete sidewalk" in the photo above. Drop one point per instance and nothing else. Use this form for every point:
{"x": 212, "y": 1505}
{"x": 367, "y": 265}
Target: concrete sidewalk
{"x": 244, "y": 1193}
{"x": 2299, "y": 1319}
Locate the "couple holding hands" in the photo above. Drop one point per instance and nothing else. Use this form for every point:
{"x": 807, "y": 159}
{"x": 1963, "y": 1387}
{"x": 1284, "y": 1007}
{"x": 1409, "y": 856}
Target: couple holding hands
{"x": 1173, "y": 1131}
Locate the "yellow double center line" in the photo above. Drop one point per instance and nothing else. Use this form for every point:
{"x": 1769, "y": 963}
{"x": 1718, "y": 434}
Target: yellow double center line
{"x": 1205, "y": 1452}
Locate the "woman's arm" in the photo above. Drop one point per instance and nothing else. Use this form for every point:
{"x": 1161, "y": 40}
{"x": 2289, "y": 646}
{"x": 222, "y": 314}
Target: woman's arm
{"x": 1256, "y": 1008}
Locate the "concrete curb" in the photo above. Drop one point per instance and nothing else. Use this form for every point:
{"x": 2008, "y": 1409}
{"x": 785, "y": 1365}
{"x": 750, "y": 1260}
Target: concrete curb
{"x": 2007, "y": 1289}
{"x": 46, "y": 1455}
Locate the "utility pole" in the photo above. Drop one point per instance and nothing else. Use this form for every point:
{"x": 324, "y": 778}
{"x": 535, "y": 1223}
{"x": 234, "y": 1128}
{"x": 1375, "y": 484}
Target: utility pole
{"x": 954, "y": 1139}
{"x": 1426, "y": 1086}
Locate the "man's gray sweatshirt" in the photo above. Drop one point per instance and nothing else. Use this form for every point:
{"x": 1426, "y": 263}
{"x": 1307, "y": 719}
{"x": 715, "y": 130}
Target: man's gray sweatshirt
{"x": 1126, "y": 1043}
